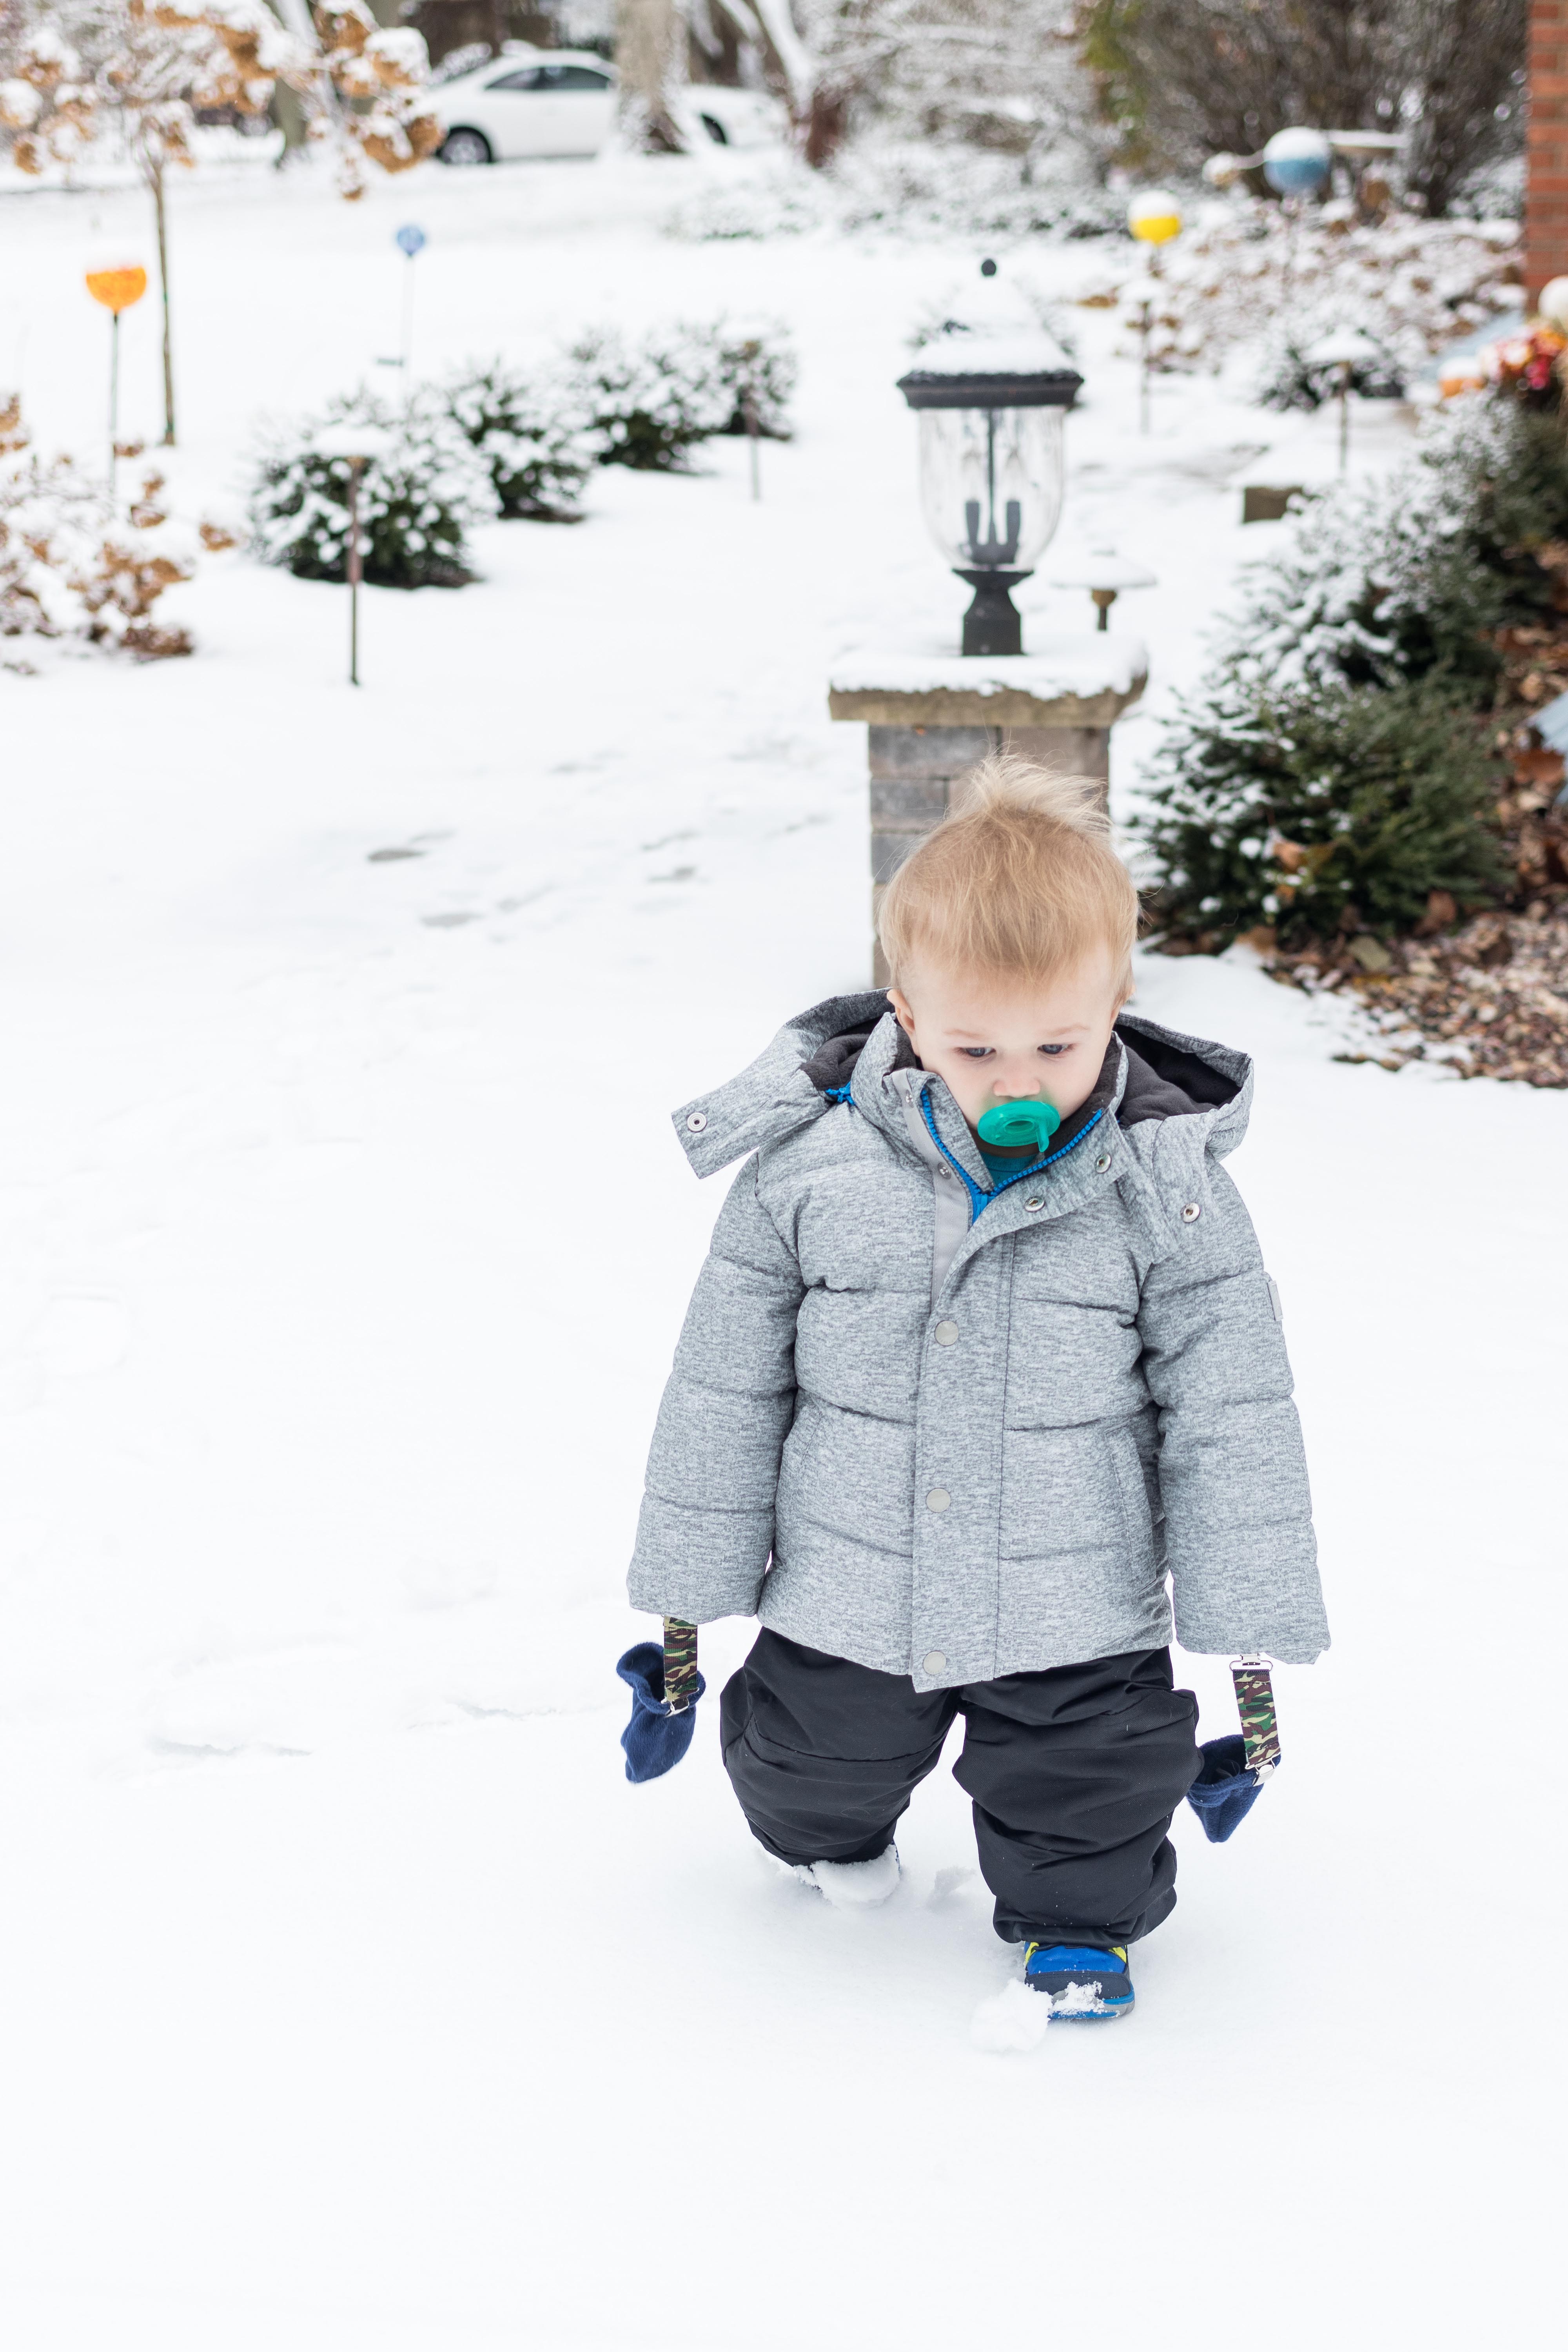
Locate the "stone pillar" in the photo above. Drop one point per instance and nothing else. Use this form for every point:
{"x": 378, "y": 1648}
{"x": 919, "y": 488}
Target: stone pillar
{"x": 1546, "y": 149}
{"x": 930, "y": 722}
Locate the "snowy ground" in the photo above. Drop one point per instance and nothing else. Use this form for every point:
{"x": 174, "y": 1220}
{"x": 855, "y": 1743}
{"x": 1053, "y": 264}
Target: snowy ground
{"x": 349, "y": 1999}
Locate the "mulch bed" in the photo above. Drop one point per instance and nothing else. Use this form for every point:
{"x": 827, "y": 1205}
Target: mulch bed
{"x": 1490, "y": 999}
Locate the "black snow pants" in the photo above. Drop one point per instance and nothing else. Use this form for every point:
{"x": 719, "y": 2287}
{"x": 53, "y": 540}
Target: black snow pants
{"x": 1075, "y": 1773}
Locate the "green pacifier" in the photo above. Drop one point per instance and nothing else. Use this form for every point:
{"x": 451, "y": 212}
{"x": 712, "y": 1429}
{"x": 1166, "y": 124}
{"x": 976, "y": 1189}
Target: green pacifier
{"x": 1013, "y": 1125}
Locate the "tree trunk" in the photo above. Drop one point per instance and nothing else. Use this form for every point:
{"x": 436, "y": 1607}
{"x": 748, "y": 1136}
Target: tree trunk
{"x": 650, "y": 44}
{"x": 155, "y": 181}
{"x": 826, "y": 124}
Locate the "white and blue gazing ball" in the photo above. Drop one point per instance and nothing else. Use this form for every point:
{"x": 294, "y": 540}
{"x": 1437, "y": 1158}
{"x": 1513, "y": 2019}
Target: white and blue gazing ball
{"x": 1296, "y": 162}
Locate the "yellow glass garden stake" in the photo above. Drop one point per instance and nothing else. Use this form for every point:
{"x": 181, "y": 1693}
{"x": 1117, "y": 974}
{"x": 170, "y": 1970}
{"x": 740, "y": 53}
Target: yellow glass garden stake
{"x": 1154, "y": 218}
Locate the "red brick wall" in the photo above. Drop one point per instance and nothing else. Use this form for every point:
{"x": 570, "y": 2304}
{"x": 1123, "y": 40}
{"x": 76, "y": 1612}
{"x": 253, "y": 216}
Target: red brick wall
{"x": 1546, "y": 183}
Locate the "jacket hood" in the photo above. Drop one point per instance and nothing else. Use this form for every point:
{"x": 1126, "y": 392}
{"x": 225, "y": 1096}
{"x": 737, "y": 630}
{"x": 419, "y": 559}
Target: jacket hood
{"x": 850, "y": 1046}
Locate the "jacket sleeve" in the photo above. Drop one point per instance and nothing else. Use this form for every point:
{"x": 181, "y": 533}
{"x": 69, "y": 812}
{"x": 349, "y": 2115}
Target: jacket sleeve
{"x": 1232, "y": 1474}
{"x": 706, "y": 1530}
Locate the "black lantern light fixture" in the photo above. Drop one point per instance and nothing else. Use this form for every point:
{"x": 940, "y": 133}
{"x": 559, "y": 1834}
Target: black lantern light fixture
{"x": 991, "y": 391}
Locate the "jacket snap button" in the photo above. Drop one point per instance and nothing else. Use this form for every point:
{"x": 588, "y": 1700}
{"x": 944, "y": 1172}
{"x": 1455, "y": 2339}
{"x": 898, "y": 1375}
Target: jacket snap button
{"x": 1191, "y": 1213}
{"x": 938, "y": 1499}
{"x": 1103, "y": 1162}
{"x": 1034, "y": 1202}
{"x": 697, "y": 1120}
{"x": 934, "y": 1662}
{"x": 945, "y": 1334}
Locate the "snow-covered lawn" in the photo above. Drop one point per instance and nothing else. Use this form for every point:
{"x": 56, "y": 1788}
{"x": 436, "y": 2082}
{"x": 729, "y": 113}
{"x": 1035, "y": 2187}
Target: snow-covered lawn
{"x": 350, "y": 1999}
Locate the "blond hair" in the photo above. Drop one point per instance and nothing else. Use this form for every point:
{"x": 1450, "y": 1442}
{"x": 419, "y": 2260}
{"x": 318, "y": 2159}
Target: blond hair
{"x": 1019, "y": 881}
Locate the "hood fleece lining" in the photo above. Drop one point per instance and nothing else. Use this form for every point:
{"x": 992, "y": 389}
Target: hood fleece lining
{"x": 1164, "y": 1080}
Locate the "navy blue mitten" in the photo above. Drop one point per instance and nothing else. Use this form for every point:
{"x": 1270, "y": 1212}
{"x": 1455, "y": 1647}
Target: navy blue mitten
{"x": 654, "y": 1739}
{"x": 1224, "y": 1791}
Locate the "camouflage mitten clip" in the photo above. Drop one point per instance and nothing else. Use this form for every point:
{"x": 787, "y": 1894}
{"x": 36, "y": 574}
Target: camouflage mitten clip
{"x": 1260, "y": 1727}
{"x": 681, "y": 1680}
{"x": 1233, "y": 1769}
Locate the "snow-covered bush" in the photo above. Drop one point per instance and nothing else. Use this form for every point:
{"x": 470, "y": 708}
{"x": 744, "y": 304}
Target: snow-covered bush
{"x": 73, "y": 565}
{"x": 651, "y": 403}
{"x": 1246, "y": 267}
{"x": 779, "y": 197}
{"x": 1420, "y": 568}
{"x": 1339, "y": 753}
{"x": 942, "y": 188}
{"x": 531, "y": 434}
{"x": 929, "y": 188}
{"x": 1289, "y": 379}
{"x": 417, "y": 501}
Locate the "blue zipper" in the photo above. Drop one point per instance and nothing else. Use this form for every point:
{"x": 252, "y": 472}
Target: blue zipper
{"x": 978, "y": 1200}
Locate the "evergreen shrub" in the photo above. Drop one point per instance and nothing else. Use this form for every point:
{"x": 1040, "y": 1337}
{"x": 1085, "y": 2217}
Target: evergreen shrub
{"x": 417, "y": 502}
{"x": 649, "y": 404}
{"x": 1324, "y": 809}
{"x": 1334, "y": 767}
{"x": 532, "y": 437}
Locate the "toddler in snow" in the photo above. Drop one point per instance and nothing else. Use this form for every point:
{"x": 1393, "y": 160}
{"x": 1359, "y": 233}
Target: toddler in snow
{"x": 948, "y": 1414}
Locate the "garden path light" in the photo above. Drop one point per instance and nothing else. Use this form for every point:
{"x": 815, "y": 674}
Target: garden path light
{"x": 1347, "y": 349}
{"x": 1106, "y": 575}
{"x": 991, "y": 390}
{"x": 356, "y": 446}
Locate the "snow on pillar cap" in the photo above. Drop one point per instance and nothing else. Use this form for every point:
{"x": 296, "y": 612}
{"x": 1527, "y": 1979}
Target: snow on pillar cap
{"x": 991, "y": 352}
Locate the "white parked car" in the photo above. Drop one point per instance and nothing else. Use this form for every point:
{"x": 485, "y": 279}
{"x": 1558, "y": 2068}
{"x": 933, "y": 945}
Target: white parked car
{"x": 549, "y": 102}
{"x": 563, "y": 102}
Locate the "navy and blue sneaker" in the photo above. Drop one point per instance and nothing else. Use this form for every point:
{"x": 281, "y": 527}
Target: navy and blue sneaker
{"x": 1081, "y": 1980}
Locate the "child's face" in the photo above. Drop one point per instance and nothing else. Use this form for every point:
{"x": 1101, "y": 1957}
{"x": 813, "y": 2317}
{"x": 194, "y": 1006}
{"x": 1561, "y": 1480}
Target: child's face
{"x": 995, "y": 1040}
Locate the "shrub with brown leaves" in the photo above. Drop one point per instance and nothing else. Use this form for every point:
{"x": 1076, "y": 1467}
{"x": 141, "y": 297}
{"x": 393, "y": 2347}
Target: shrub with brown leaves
{"x": 72, "y": 566}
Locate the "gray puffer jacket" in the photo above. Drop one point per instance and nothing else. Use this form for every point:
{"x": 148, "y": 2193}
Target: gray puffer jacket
{"x": 972, "y": 1430}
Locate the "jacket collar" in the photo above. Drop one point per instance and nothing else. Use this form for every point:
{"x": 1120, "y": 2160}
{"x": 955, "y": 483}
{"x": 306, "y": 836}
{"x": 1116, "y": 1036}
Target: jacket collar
{"x": 1151, "y": 1073}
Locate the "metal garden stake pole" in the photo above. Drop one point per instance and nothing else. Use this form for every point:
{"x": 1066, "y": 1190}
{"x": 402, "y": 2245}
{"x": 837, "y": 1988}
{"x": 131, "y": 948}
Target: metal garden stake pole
{"x": 114, "y": 404}
{"x": 1154, "y": 218}
{"x": 357, "y": 468}
{"x": 1346, "y": 367}
{"x": 411, "y": 241}
{"x": 750, "y": 352}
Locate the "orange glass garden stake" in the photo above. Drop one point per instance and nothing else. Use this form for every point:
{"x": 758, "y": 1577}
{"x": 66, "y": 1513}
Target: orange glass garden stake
{"x": 116, "y": 289}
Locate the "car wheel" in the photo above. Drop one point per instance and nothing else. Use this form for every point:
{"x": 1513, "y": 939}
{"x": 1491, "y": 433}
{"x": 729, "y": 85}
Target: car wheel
{"x": 716, "y": 130}
{"x": 465, "y": 148}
